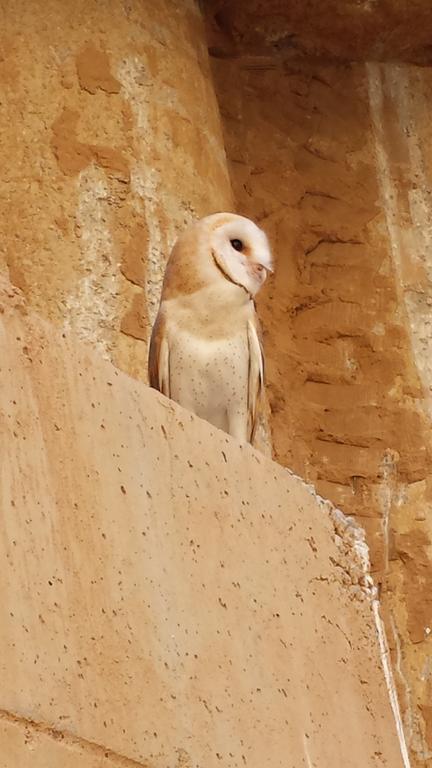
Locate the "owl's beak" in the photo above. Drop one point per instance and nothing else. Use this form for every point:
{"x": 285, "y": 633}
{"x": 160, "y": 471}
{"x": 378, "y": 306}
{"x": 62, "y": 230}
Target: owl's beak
{"x": 259, "y": 271}
{"x": 269, "y": 270}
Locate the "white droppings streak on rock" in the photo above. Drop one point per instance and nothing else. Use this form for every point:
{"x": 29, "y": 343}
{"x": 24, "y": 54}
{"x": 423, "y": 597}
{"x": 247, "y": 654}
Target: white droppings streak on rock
{"x": 414, "y": 242}
{"x": 386, "y": 494}
{"x": 350, "y": 538}
{"x": 146, "y": 185}
{"x": 391, "y": 687}
{"x": 91, "y": 309}
{"x": 409, "y": 725}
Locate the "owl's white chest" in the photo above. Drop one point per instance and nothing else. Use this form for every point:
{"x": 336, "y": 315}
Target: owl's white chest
{"x": 210, "y": 376}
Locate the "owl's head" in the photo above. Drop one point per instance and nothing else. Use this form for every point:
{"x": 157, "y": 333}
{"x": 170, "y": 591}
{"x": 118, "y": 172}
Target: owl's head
{"x": 240, "y": 250}
{"x": 219, "y": 249}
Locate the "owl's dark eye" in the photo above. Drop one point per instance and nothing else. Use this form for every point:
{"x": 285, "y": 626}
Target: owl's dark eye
{"x": 237, "y": 244}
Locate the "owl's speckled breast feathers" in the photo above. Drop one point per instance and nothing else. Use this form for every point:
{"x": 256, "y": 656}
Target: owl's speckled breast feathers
{"x": 205, "y": 350}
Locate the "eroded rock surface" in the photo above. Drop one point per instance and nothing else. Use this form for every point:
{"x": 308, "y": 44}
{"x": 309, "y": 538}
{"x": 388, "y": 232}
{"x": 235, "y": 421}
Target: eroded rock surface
{"x": 349, "y": 30}
{"x": 168, "y": 597}
{"x": 333, "y": 161}
{"x": 110, "y": 144}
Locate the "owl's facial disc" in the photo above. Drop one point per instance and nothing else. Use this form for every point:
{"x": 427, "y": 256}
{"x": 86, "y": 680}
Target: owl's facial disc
{"x": 242, "y": 253}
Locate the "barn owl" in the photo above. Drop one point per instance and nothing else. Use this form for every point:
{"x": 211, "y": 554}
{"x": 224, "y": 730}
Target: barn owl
{"x": 205, "y": 349}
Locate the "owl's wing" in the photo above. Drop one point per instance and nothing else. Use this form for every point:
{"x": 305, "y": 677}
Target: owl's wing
{"x": 158, "y": 361}
{"x": 256, "y": 374}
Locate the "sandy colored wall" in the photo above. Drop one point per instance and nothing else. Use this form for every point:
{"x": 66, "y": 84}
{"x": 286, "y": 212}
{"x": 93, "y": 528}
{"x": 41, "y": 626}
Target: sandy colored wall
{"x": 400, "y": 99}
{"x": 168, "y": 598}
{"x": 333, "y": 161}
{"x": 110, "y": 143}
{"x": 364, "y": 30}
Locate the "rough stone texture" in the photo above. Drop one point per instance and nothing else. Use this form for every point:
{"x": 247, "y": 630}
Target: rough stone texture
{"x": 167, "y": 595}
{"x": 379, "y": 30}
{"x": 26, "y": 744}
{"x": 400, "y": 100}
{"x": 334, "y": 163}
{"x": 110, "y": 142}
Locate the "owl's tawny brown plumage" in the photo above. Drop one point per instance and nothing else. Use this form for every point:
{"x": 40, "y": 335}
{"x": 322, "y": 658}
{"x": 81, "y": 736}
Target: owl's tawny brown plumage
{"x": 205, "y": 349}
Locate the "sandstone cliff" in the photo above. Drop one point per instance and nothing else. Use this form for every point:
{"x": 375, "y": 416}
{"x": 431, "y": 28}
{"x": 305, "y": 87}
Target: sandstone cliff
{"x": 117, "y": 130}
{"x": 168, "y": 597}
{"x": 333, "y": 158}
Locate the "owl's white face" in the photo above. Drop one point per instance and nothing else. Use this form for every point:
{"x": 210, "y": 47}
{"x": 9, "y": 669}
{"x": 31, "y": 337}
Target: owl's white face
{"x": 242, "y": 253}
